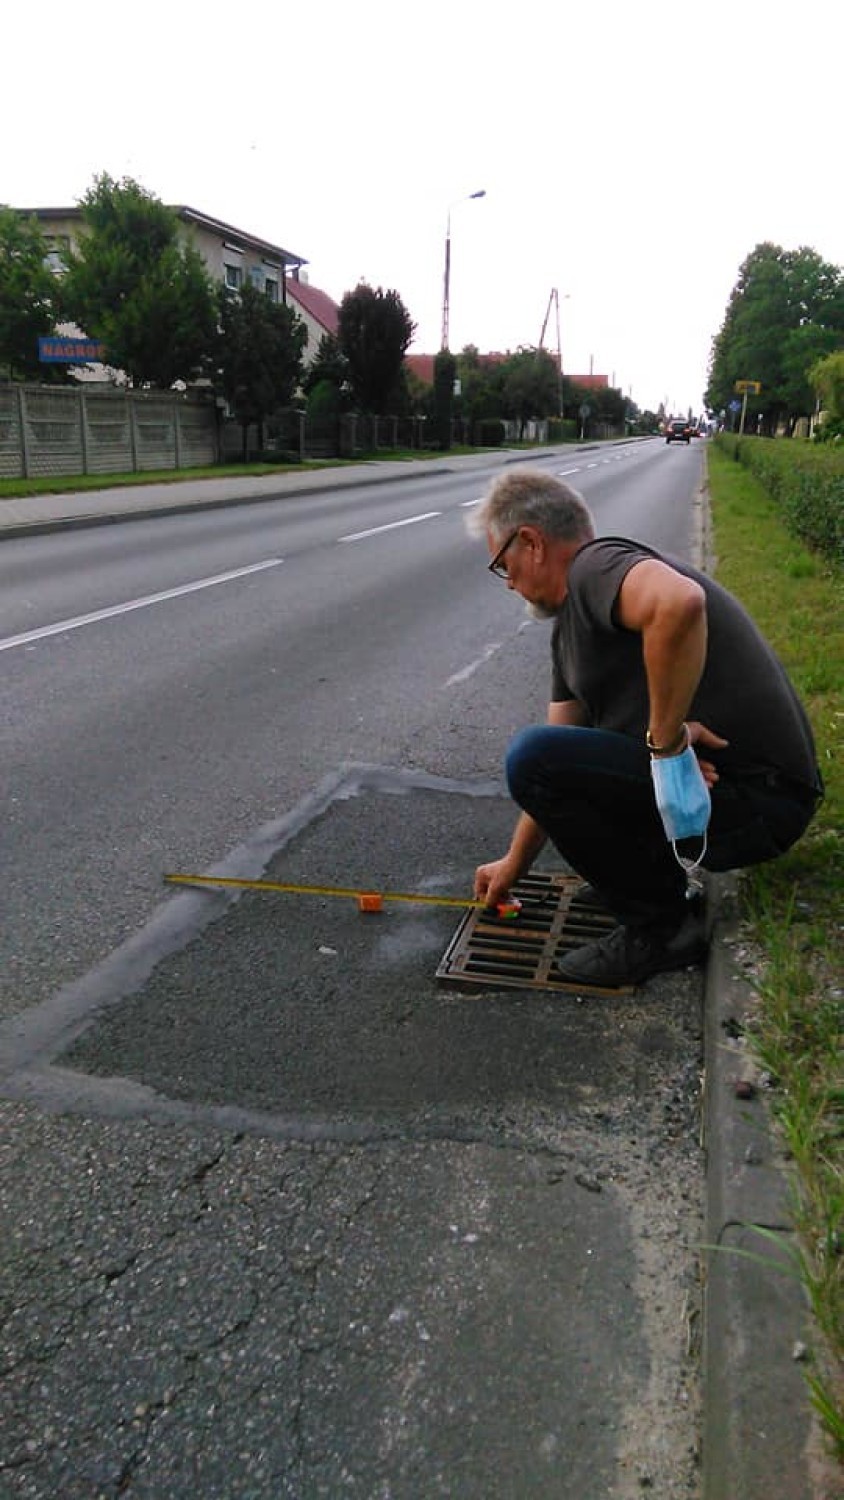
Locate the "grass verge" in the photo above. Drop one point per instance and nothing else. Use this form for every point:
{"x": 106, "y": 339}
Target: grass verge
{"x": 793, "y": 906}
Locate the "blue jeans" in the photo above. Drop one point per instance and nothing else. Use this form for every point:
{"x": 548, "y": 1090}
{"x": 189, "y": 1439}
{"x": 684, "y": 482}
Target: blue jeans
{"x": 590, "y": 791}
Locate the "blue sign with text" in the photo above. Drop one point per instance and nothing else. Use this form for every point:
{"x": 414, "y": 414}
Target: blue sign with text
{"x": 56, "y": 351}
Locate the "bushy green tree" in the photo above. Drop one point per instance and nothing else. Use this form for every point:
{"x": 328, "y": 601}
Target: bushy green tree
{"x": 330, "y": 366}
{"x": 136, "y": 285}
{"x": 259, "y": 353}
{"x": 28, "y": 294}
{"x": 785, "y": 312}
{"x": 374, "y": 332}
{"x": 530, "y": 386}
{"x": 827, "y": 378}
{"x": 480, "y": 385}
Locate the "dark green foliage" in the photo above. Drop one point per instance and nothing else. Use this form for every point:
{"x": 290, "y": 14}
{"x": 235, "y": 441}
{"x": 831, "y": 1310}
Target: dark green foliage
{"x": 481, "y": 385}
{"x": 324, "y": 400}
{"x": 374, "y": 332}
{"x": 489, "y": 433}
{"x": 831, "y": 430}
{"x": 136, "y": 285}
{"x": 806, "y": 482}
{"x": 562, "y": 431}
{"x": 530, "y": 386}
{"x": 606, "y": 404}
{"x": 331, "y": 367}
{"x": 785, "y": 313}
{"x": 827, "y": 377}
{"x": 260, "y": 349}
{"x": 28, "y": 295}
{"x": 445, "y": 372}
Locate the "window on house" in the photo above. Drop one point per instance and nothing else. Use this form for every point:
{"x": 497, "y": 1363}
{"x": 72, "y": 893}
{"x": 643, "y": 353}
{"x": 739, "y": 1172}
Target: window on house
{"x": 271, "y": 289}
{"x": 233, "y": 277}
{"x": 256, "y": 276}
{"x": 58, "y": 249}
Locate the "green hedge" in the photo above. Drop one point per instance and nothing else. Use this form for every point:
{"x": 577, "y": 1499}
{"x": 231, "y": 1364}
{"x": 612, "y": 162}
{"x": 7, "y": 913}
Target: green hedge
{"x": 807, "y": 483}
{"x": 560, "y": 431}
{"x": 489, "y": 433}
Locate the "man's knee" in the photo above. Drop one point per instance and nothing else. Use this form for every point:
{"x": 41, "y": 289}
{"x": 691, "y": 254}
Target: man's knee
{"x": 527, "y": 753}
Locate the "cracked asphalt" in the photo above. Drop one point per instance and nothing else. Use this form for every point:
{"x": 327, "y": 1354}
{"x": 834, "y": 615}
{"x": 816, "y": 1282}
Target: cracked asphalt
{"x": 282, "y": 1216}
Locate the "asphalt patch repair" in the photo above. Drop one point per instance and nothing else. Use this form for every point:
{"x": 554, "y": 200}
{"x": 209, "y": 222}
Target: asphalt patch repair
{"x": 402, "y": 1234}
{"x": 302, "y": 1007}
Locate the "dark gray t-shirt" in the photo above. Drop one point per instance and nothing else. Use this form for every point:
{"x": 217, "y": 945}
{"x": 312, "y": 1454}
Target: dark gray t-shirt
{"x": 744, "y": 694}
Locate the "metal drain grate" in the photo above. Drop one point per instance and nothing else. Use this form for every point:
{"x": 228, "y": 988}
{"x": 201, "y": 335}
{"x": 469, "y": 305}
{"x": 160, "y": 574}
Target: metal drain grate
{"x": 491, "y": 952}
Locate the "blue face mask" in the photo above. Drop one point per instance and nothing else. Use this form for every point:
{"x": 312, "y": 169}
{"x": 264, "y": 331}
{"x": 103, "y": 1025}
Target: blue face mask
{"x": 682, "y": 798}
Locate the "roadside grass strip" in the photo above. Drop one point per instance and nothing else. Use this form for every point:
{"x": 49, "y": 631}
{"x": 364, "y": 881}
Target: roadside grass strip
{"x": 792, "y": 907}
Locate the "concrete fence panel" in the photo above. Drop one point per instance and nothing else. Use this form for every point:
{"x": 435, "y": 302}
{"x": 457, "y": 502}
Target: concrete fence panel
{"x": 54, "y": 430}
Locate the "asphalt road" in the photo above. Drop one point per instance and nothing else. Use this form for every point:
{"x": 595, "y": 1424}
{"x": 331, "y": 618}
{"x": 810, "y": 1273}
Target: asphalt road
{"x": 282, "y": 1217}
{"x": 165, "y": 734}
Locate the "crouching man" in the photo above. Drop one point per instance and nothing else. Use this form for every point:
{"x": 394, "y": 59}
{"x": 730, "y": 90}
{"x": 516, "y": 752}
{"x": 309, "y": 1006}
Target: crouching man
{"x": 672, "y": 731}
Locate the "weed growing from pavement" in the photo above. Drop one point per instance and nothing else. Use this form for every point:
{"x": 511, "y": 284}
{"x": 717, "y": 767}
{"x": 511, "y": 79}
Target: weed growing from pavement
{"x": 793, "y": 906}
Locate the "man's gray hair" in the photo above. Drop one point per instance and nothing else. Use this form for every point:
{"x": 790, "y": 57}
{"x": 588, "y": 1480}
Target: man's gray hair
{"x": 529, "y": 497}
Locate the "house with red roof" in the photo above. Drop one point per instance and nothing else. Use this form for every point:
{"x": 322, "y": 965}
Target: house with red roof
{"x": 318, "y": 311}
{"x": 422, "y": 365}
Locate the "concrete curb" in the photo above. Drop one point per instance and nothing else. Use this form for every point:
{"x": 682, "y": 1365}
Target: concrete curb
{"x": 183, "y": 507}
{"x": 757, "y": 1414}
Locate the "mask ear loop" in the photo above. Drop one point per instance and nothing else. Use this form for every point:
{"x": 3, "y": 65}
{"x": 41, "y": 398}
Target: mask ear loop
{"x": 689, "y": 865}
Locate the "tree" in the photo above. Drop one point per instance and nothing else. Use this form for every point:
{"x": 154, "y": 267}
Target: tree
{"x": 445, "y": 370}
{"x": 28, "y": 294}
{"x": 374, "y": 332}
{"x": 134, "y": 284}
{"x": 827, "y": 377}
{"x": 530, "y": 386}
{"x": 785, "y": 312}
{"x": 481, "y": 385}
{"x": 328, "y": 366}
{"x": 260, "y": 347}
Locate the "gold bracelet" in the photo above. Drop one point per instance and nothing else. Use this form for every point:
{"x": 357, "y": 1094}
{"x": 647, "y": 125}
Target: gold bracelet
{"x": 668, "y": 749}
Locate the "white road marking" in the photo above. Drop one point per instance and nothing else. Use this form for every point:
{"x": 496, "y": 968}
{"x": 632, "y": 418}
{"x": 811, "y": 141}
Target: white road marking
{"x": 467, "y": 672}
{"x": 561, "y": 473}
{"x": 124, "y": 609}
{"x": 356, "y": 536}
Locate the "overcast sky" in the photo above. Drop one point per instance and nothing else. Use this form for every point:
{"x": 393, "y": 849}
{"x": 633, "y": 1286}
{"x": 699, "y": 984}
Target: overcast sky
{"x": 632, "y": 155}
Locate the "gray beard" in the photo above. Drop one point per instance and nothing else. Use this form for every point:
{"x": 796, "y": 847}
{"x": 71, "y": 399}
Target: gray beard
{"x": 539, "y": 612}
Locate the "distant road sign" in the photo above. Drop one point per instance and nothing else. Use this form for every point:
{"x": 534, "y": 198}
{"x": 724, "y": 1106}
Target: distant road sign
{"x": 735, "y": 406}
{"x": 748, "y": 387}
{"x": 70, "y": 351}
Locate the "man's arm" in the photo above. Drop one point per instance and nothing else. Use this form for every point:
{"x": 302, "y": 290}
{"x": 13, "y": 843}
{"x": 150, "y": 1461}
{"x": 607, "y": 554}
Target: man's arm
{"x": 669, "y": 611}
{"x": 493, "y": 882}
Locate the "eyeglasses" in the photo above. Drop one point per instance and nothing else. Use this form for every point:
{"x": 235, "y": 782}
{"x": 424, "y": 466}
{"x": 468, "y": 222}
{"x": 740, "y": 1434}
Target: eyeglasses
{"x": 498, "y": 566}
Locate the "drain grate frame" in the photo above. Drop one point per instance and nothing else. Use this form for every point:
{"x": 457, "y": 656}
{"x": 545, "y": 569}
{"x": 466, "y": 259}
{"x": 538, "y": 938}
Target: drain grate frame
{"x": 492, "y": 952}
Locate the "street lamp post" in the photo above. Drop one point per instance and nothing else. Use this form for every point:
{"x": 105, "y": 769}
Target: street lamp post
{"x": 447, "y": 274}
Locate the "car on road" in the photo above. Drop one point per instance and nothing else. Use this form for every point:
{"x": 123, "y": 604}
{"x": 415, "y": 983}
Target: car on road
{"x": 677, "y": 431}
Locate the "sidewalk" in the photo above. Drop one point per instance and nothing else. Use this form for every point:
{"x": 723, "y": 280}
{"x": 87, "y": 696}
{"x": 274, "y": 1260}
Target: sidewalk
{"x": 757, "y": 1416}
{"x": 29, "y": 515}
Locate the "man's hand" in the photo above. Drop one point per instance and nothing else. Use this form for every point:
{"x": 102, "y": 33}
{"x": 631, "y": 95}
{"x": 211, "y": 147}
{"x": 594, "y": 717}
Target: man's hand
{"x": 494, "y": 882}
{"x": 699, "y": 736}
